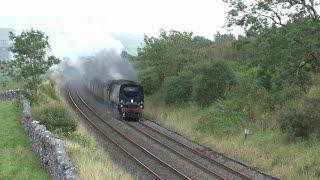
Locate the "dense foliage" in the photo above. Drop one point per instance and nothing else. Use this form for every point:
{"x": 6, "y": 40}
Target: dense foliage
{"x": 185, "y": 67}
{"x": 49, "y": 110}
{"x": 261, "y": 79}
{"x": 55, "y": 118}
{"x": 301, "y": 117}
{"x": 177, "y": 89}
{"x": 211, "y": 82}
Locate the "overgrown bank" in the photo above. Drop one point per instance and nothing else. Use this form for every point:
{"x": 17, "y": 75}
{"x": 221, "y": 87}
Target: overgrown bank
{"x": 269, "y": 150}
{"x": 52, "y": 110}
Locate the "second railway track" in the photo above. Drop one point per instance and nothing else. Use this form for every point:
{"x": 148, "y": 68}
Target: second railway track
{"x": 156, "y": 167}
{"x": 212, "y": 168}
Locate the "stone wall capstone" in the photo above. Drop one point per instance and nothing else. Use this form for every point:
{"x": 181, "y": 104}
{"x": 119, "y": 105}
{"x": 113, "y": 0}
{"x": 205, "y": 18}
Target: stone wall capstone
{"x": 52, "y": 151}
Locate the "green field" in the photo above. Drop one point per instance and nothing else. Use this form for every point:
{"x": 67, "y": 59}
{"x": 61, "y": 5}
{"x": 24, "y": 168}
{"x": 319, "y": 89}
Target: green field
{"x": 17, "y": 160}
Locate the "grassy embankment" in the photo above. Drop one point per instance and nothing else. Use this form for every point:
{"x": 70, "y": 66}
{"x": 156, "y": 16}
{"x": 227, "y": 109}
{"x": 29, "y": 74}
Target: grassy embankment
{"x": 10, "y": 86}
{"x": 270, "y": 150}
{"x": 92, "y": 160}
{"x": 17, "y": 160}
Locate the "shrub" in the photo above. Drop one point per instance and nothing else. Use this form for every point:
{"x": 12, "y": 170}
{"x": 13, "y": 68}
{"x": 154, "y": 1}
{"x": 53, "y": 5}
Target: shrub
{"x": 221, "y": 119}
{"x": 251, "y": 98}
{"x": 289, "y": 93}
{"x": 150, "y": 82}
{"x": 212, "y": 81}
{"x": 300, "y": 118}
{"x": 48, "y": 88}
{"x": 55, "y": 117}
{"x": 177, "y": 89}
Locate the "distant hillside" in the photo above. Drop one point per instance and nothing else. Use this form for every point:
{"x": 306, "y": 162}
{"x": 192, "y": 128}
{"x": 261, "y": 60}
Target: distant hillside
{"x": 130, "y": 42}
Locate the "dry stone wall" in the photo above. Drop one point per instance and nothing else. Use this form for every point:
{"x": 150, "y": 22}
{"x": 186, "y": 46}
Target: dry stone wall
{"x": 9, "y": 95}
{"x": 52, "y": 151}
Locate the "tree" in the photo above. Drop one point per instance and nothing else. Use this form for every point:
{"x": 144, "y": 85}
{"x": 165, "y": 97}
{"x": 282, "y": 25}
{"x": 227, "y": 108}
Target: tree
{"x": 259, "y": 14}
{"x": 287, "y": 38}
{"x": 30, "y": 59}
{"x": 263, "y": 16}
{"x": 213, "y": 80}
{"x": 169, "y": 54}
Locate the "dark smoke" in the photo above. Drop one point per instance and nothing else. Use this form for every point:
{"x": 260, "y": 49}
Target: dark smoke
{"x": 104, "y": 65}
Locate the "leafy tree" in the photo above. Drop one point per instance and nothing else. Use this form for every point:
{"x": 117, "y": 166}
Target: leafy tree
{"x": 286, "y": 39}
{"x": 255, "y": 16}
{"x": 212, "y": 81}
{"x": 300, "y": 19}
{"x": 178, "y": 89}
{"x": 170, "y": 53}
{"x": 31, "y": 60}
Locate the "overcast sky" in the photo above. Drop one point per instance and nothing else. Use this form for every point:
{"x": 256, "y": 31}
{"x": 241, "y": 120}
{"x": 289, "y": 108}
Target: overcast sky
{"x": 203, "y": 17}
{"x": 79, "y": 23}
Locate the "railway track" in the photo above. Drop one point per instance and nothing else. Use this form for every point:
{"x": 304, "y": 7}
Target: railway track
{"x": 191, "y": 155}
{"x": 161, "y": 169}
{"x": 191, "y": 150}
{"x": 188, "y": 154}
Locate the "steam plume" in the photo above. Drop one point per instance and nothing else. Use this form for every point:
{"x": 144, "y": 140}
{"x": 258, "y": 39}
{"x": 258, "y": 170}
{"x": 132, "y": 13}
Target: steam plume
{"x": 96, "y": 56}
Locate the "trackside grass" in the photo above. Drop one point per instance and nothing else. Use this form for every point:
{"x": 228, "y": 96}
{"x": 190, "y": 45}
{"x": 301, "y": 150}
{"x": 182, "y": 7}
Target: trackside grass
{"x": 92, "y": 160}
{"x": 17, "y": 160}
{"x": 270, "y": 151}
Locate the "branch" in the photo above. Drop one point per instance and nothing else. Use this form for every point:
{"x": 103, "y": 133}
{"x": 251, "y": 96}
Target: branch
{"x": 270, "y": 17}
{"x": 312, "y": 11}
{"x": 277, "y": 15}
{"x": 312, "y": 54}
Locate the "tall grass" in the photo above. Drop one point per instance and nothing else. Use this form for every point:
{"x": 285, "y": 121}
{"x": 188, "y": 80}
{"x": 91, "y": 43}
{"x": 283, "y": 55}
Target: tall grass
{"x": 92, "y": 160}
{"x": 269, "y": 150}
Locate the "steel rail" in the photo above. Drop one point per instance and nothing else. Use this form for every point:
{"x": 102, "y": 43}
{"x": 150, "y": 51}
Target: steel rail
{"x": 172, "y": 150}
{"x": 113, "y": 142}
{"x": 197, "y": 152}
{"x": 138, "y": 146}
{"x": 176, "y": 152}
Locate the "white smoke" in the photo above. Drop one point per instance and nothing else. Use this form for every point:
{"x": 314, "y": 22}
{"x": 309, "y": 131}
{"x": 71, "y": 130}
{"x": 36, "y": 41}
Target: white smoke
{"x": 82, "y": 42}
{"x": 89, "y": 53}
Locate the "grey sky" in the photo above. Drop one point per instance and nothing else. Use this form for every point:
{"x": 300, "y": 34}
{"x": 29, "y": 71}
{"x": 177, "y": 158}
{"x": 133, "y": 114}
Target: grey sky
{"x": 204, "y": 17}
{"x": 89, "y": 21}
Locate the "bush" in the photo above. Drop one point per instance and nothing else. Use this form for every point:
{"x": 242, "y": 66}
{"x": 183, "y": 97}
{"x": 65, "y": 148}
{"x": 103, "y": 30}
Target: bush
{"x": 251, "y": 98}
{"x": 301, "y": 118}
{"x": 177, "y": 89}
{"x": 49, "y": 89}
{"x": 212, "y": 81}
{"x": 55, "y": 117}
{"x": 221, "y": 119}
{"x": 150, "y": 82}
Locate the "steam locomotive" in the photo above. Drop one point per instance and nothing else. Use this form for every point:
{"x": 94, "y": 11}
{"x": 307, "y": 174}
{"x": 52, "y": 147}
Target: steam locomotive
{"x": 125, "y": 95}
